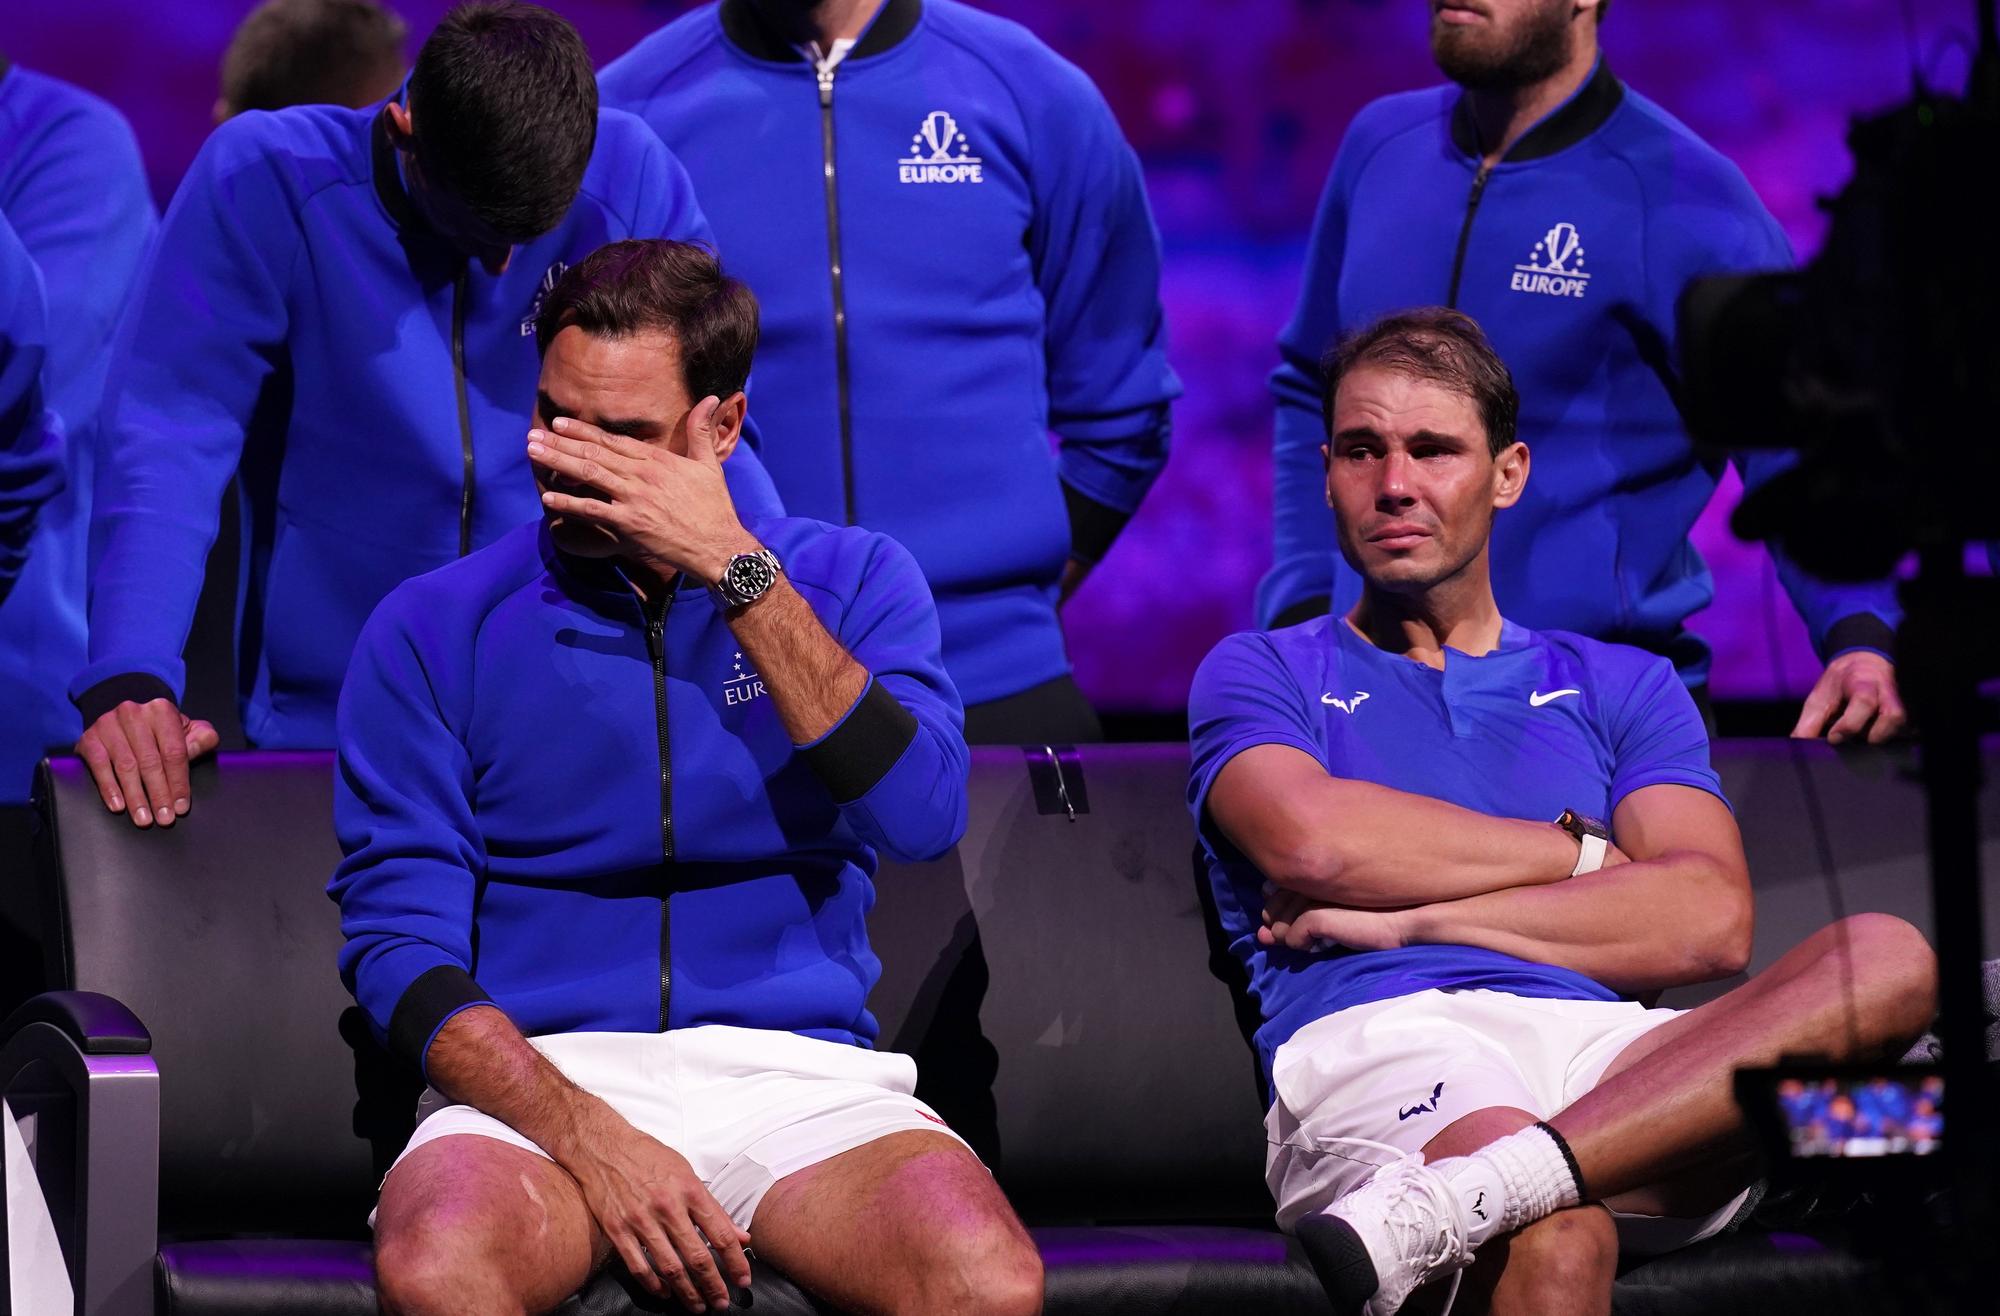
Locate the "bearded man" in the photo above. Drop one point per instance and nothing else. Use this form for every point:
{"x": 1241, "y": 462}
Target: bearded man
{"x": 1565, "y": 213}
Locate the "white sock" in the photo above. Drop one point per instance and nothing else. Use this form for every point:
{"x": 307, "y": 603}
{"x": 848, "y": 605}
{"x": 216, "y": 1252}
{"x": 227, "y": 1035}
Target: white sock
{"x": 1510, "y": 1184}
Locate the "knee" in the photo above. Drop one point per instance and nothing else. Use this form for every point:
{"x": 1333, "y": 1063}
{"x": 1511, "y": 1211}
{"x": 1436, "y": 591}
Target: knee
{"x": 1898, "y": 968}
{"x": 995, "y": 1271}
{"x": 414, "y": 1276}
{"x": 1565, "y": 1256}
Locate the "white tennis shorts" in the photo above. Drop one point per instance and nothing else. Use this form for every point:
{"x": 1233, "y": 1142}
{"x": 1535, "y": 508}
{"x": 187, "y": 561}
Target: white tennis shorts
{"x": 1401, "y": 1071}
{"x": 745, "y": 1106}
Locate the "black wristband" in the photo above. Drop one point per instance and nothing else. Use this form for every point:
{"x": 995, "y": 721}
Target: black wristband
{"x": 1863, "y": 630}
{"x": 434, "y": 997}
{"x": 138, "y": 687}
{"x": 859, "y": 752}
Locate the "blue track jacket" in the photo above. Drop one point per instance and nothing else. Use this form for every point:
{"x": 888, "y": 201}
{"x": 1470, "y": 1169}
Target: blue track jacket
{"x": 31, "y": 438}
{"x": 950, "y": 239}
{"x": 300, "y": 322}
{"x": 1571, "y": 253}
{"x": 591, "y": 814}
{"x": 73, "y": 189}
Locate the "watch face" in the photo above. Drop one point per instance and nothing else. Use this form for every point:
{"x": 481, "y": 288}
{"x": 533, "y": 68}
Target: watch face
{"x": 749, "y": 575}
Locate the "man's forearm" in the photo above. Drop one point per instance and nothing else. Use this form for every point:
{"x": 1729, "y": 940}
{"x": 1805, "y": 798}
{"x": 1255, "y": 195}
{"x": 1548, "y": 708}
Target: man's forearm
{"x": 1677, "y": 919}
{"x": 1371, "y": 847}
{"x": 811, "y": 678}
{"x": 480, "y": 1059}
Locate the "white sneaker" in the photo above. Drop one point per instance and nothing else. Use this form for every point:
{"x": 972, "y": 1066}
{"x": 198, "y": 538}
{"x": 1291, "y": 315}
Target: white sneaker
{"x": 1407, "y": 1220}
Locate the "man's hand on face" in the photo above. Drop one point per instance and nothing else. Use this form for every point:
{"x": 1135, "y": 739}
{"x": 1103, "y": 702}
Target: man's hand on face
{"x": 139, "y": 753}
{"x": 1855, "y": 695}
{"x": 667, "y": 513}
{"x": 659, "y": 1217}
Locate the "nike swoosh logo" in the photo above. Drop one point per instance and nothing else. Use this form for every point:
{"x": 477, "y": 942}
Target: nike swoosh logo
{"x": 1537, "y": 698}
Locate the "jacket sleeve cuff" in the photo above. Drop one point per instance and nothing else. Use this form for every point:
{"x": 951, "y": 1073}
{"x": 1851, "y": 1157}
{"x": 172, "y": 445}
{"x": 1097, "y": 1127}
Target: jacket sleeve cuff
{"x": 863, "y": 745}
{"x": 427, "y": 1003}
{"x": 1093, "y": 526}
{"x": 1862, "y": 630}
{"x": 139, "y": 687}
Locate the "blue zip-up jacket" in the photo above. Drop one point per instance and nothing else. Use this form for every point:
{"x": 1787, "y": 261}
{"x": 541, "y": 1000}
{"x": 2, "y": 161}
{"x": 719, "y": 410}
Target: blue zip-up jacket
{"x": 31, "y": 438}
{"x": 951, "y": 243}
{"x": 73, "y": 188}
{"x": 549, "y": 799}
{"x": 1571, "y": 253}
{"x": 299, "y": 322}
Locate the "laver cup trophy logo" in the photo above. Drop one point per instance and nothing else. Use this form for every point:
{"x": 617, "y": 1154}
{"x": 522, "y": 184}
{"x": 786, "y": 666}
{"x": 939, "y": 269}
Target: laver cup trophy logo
{"x": 938, "y": 154}
{"x": 1555, "y": 266}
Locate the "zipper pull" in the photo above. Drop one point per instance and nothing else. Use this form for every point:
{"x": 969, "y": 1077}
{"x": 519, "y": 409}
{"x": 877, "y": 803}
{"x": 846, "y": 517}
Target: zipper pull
{"x": 656, "y": 638}
{"x": 826, "y": 88}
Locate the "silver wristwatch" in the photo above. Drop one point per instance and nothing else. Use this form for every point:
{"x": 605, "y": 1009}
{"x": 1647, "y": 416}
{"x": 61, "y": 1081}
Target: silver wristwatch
{"x": 748, "y": 577}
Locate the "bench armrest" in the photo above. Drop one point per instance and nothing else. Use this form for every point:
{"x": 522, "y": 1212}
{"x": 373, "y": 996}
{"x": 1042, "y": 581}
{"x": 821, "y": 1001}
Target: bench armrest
{"x": 96, "y": 1024}
{"x": 79, "y": 1083}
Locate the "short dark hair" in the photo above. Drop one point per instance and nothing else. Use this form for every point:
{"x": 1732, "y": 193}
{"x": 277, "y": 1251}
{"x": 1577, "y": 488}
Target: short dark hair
{"x": 503, "y": 103}
{"x": 312, "y": 52}
{"x": 1443, "y": 346}
{"x": 639, "y": 284}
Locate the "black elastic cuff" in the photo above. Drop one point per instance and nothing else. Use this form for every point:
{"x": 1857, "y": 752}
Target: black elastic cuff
{"x": 1303, "y": 610}
{"x": 859, "y": 752}
{"x": 139, "y": 687}
{"x": 1562, "y": 1145}
{"x": 1092, "y": 526}
{"x": 1864, "y": 630}
{"x": 435, "y": 996}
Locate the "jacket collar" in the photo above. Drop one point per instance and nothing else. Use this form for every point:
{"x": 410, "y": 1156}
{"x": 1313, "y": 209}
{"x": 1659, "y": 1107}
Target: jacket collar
{"x": 597, "y": 582}
{"x": 747, "y": 30}
{"x": 1569, "y": 123}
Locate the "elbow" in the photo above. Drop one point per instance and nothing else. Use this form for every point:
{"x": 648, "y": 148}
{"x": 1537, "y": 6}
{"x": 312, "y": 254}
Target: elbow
{"x": 1311, "y": 866}
{"x": 1728, "y": 939}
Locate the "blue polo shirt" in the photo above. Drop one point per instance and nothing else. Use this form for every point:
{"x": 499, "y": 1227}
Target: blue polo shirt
{"x": 1547, "y": 721}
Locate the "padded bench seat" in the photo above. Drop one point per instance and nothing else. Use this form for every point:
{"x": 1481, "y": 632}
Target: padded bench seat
{"x": 1054, "y": 972}
{"x": 1133, "y": 1270}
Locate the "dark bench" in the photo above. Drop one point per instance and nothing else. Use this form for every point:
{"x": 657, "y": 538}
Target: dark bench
{"x": 1053, "y": 976}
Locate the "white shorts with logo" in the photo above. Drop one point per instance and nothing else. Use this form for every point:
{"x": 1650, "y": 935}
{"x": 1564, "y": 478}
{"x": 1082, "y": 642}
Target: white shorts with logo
{"x": 1401, "y": 1071}
{"x": 745, "y": 1106}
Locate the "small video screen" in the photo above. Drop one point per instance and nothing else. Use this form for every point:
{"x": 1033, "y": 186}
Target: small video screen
{"x": 1863, "y": 1117}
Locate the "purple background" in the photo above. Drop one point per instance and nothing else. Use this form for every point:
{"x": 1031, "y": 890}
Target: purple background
{"x": 1236, "y": 109}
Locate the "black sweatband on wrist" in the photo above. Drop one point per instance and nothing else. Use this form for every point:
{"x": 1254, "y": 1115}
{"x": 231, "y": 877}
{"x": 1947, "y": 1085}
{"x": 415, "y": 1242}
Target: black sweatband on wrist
{"x": 138, "y": 687}
{"x": 1569, "y": 1157}
{"x": 1303, "y": 610}
{"x": 1092, "y": 525}
{"x": 434, "y": 997}
{"x": 1863, "y": 630}
{"x": 859, "y": 752}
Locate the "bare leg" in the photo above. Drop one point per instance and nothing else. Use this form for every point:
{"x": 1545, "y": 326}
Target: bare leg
{"x": 1667, "y": 1105}
{"x": 1562, "y": 1265}
{"x": 475, "y": 1226}
{"x": 909, "y": 1223}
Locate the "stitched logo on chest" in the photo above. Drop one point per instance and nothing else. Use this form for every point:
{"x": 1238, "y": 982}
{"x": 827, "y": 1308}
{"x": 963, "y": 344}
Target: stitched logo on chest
{"x": 1555, "y": 266}
{"x": 743, "y": 684}
{"x": 1347, "y": 705}
{"x": 550, "y": 277}
{"x": 938, "y": 154}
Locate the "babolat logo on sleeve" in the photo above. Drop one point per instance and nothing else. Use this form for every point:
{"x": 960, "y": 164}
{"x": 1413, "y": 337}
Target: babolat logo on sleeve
{"x": 1555, "y": 266}
{"x": 542, "y": 291}
{"x": 938, "y": 154}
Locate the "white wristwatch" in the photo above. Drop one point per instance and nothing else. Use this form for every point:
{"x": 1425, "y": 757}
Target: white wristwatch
{"x": 1592, "y": 839}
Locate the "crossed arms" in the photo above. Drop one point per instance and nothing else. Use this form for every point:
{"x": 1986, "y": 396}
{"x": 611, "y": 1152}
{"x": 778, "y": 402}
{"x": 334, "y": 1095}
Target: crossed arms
{"x": 1365, "y": 866}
